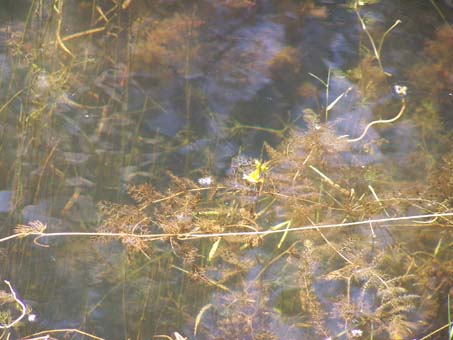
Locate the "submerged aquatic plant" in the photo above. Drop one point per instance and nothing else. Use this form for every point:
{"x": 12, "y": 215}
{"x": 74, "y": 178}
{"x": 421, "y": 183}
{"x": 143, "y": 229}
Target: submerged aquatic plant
{"x": 433, "y": 79}
{"x": 314, "y": 240}
{"x": 168, "y": 44}
{"x": 377, "y": 288}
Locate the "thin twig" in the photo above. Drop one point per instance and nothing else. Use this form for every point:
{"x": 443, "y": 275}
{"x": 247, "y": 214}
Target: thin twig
{"x": 191, "y": 236}
{"x": 439, "y": 12}
{"x": 381, "y": 43}
{"x": 22, "y": 305}
{"x": 330, "y": 182}
{"x": 376, "y": 197}
{"x": 324, "y": 226}
{"x": 437, "y": 330}
{"x": 63, "y": 330}
{"x": 59, "y": 11}
{"x": 380, "y": 121}
{"x": 17, "y": 94}
{"x": 370, "y": 38}
{"x": 43, "y": 170}
{"x": 199, "y": 316}
{"x": 331, "y": 245}
{"x": 84, "y": 33}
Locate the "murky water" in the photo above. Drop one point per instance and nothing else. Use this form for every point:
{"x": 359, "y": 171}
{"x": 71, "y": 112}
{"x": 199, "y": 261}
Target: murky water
{"x": 98, "y": 96}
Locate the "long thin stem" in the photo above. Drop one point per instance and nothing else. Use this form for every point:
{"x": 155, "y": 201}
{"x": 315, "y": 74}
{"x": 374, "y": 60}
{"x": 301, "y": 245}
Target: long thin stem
{"x": 370, "y": 38}
{"x": 192, "y": 236}
{"x": 397, "y": 22}
{"x": 22, "y": 305}
{"x": 439, "y": 12}
{"x": 380, "y": 121}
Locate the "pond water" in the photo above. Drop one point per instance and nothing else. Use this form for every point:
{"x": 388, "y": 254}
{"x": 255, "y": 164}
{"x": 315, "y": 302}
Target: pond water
{"x": 226, "y": 169}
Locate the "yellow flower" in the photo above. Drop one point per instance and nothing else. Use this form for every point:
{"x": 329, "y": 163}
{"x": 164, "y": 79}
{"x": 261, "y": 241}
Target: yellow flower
{"x": 256, "y": 175}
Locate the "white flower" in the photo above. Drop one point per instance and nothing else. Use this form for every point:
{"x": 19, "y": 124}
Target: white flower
{"x": 205, "y": 181}
{"x": 400, "y": 90}
{"x": 356, "y": 332}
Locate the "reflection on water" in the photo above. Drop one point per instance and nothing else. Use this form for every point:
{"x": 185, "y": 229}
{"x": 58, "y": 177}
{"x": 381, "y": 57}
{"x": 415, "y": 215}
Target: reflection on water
{"x": 168, "y": 119}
